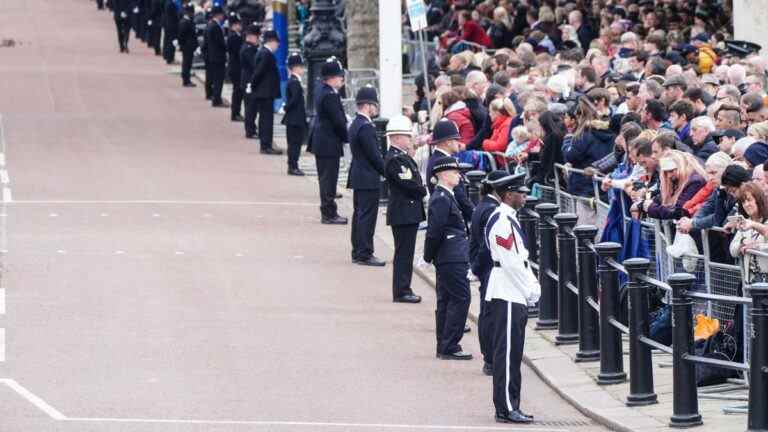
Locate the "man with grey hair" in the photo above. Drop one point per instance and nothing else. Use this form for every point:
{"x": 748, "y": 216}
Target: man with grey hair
{"x": 477, "y": 83}
{"x": 702, "y": 143}
{"x": 729, "y": 93}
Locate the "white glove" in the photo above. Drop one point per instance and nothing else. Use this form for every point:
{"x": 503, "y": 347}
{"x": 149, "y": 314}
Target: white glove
{"x": 248, "y": 89}
{"x": 136, "y": 9}
{"x": 176, "y": 43}
{"x": 198, "y": 51}
{"x": 149, "y": 23}
{"x": 123, "y": 15}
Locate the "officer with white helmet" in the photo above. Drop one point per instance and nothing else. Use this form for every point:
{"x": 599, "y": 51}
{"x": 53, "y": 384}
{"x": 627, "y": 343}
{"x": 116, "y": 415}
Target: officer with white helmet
{"x": 405, "y": 209}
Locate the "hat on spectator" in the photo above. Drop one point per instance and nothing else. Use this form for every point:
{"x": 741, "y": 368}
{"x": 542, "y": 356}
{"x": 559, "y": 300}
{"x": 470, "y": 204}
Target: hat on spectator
{"x": 510, "y": 183}
{"x": 667, "y": 164}
{"x": 676, "y": 80}
{"x": 445, "y": 163}
{"x": 730, "y": 133}
{"x": 331, "y": 68}
{"x": 756, "y": 154}
{"x": 734, "y": 175}
{"x": 445, "y": 130}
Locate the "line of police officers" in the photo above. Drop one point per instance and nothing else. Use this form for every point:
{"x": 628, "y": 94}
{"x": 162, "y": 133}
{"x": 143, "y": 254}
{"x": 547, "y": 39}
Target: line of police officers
{"x": 459, "y": 237}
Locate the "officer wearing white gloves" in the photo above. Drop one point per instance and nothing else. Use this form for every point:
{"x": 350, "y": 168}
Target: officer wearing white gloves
{"x": 512, "y": 287}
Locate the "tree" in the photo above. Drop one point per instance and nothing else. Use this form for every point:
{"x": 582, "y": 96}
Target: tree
{"x": 362, "y": 34}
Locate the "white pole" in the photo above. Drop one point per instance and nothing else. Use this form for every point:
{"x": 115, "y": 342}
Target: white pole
{"x": 425, "y": 65}
{"x": 390, "y": 58}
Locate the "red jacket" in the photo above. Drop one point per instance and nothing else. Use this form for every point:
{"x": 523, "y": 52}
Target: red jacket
{"x": 694, "y": 204}
{"x": 500, "y": 137}
{"x": 459, "y": 114}
{"x": 473, "y": 32}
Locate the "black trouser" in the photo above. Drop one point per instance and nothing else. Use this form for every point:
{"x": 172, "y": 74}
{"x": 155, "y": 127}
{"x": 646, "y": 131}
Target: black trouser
{"x": 402, "y": 263}
{"x": 266, "y": 112}
{"x": 250, "y": 115}
{"x": 366, "y": 210}
{"x": 100, "y": 4}
{"x": 509, "y": 321}
{"x": 328, "y": 177}
{"x": 155, "y": 34}
{"x": 237, "y": 97}
{"x": 207, "y": 85}
{"x": 169, "y": 51}
{"x": 217, "y": 72}
{"x": 186, "y": 66}
{"x": 453, "y": 299}
{"x": 485, "y": 322}
{"x": 295, "y": 137}
{"x": 123, "y": 32}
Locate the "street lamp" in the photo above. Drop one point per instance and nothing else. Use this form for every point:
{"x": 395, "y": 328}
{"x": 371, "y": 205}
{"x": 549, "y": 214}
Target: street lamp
{"x": 325, "y": 38}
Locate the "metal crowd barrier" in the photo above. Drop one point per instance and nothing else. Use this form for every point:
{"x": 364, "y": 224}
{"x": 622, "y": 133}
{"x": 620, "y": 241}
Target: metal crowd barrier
{"x": 568, "y": 265}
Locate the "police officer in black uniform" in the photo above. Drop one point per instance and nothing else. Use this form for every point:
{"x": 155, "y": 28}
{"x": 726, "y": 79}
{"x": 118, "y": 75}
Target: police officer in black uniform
{"x": 447, "y": 247}
{"x": 170, "y": 31}
{"x": 187, "y": 44}
{"x": 123, "y": 10}
{"x": 295, "y": 118}
{"x": 216, "y": 55}
{"x": 365, "y": 177}
{"x": 247, "y": 57}
{"x": 234, "y": 44}
{"x": 329, "y": 133}
{"x": 154, "y": 25}
{"x": 449, "y": 146}
{"x": 405, "y": 206}
{"x": 481, "y": 263}
{"x": 265, "y": 88}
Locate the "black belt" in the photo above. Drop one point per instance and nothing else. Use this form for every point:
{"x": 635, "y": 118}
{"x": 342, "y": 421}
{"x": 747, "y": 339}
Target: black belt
{"x": 498, "y": 264}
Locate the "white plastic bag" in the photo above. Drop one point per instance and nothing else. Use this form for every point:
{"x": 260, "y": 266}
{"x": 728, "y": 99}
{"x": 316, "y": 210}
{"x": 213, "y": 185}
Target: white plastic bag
{"x": 683, "y": 247}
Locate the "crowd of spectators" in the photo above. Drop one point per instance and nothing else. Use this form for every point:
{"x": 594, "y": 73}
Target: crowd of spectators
{"x": 648, "y": 101}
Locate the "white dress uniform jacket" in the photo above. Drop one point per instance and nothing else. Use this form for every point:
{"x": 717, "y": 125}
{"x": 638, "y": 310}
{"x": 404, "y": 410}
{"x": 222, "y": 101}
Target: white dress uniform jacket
{"x": 514, "y": 280}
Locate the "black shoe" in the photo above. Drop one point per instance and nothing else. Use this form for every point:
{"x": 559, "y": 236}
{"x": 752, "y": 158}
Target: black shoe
{"x": 524, "y": 414}
{"x": 296, "y": 172}
{"x": 127, "y": 51}
{"x": 208, "y": 97}
{"x": 219, "y": 105}
{"x": 371, "y": 262}
{"x": 237, "y": 118}
{"x": 253, "y": 137}
{"x": 336, "y": 220}
{"x": 190, "y": 84}
{"x": 488, "y": 369}
{"x": 513, "y": 417}
{"x": 467, "y": 328}
{"x": 339, "y": 196}
{"x": 271, "y": 151}
{"x": 408, "y": 298}
{"x": 458, "y": 355}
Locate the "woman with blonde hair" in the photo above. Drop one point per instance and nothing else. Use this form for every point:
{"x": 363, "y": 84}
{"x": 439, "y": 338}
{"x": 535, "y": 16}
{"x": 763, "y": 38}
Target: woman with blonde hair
{"x": 759, "y": 131}
{"x": 681, "y": 177}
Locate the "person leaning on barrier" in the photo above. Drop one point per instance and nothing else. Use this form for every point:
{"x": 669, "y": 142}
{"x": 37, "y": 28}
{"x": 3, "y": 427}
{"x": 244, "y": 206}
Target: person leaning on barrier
{"x": 405, "y": 207}
{"x": 512, "y": 287}
{"x": 750, "y": 227}
{"x": 481, "y": 263}
{"x": 446, "y": 246}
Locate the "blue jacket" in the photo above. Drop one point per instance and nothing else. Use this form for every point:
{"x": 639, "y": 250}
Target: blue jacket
{"x": 594, "y": 143}
{"x": 715, "y": 211}
{"x": 479, "y": 255}
{"x": 446, "y": 239}
{"x": 367, "y": 162}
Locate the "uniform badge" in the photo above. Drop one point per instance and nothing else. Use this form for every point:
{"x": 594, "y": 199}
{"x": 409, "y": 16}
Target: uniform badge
{"x": 405, "y": 174}
{"x": 506, "y": 243}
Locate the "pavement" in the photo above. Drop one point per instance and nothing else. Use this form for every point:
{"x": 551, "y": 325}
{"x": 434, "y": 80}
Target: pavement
{"x": 159, "y": 274}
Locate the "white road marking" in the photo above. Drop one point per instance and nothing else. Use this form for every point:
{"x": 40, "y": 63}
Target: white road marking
{"x": 104, "y": 214}
{"x": 179, "y": 253}
{"x": 2, "y": 159}
{"x": 155, "y": 215}
{"x": 4, "y": 178}
{"x": 160, "y": 202}
{"x": 53, "y": 215}
{"x": 119, "y": 252}
{"x": 2, "y": 344}
{"x": 2, "y": 301}
{"x": 33, "y": 399}
{"x": 61, "y": 251}
{"x": 7, "y": 197}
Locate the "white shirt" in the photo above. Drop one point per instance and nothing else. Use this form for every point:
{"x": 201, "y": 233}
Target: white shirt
{"x": 514, "y": 281}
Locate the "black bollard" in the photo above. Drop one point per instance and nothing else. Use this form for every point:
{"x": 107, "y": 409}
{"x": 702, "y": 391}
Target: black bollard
{"x": 611, "y": 360}
{"x": 568, "y": 302}
{"x": 640, "y": 360}
{"x": 381, "y": 134}
{"x": 685, "y": 398}
{"x": 758, "y": 372}
{"x": 473, "y": 188}
{"x": 547, "y": 262}
{"x": 527, "y": 217}
{"x": 589, "y": 331}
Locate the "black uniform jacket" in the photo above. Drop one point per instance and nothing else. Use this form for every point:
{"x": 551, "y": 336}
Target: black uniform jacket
{"x": 367, "y": 163}
{"x": 234, "y": 43}
{"x": 187, "y": 36}
{"x": 406, "y": 189}
{"x": 295, "y": 107}
{"x": 460, "y": 191}
{"x": 329, "y": 128}
{"x": 446, "y": 240}
{"x": 247, "y": 57}
{"x": 265, "y": 82}
{"x": 215, "y": 44}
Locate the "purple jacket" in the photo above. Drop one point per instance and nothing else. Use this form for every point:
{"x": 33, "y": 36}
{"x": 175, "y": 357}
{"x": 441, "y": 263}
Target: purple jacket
{"x": 658, "y": 211}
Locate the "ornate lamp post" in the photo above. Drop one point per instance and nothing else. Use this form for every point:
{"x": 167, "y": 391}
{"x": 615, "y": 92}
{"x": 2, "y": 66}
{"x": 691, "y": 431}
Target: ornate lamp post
{"x": 325, "y": 38}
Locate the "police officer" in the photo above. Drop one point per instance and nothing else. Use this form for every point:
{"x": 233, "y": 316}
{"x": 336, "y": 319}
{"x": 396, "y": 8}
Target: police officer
{"x": 365, "y": 177}
{"x": 405, "y": 207}
{"x": 247, "y": 57}
{"x": 170, "y": 30}
{"x": 481, "y": 263}
{"x": 448, "y": 145}
{"x": 447, "y": 247}
{"x": 295, "y": 118}
{"x": 216, "y": 55}
{"x": 234, "y": 44}
{"x": 329, "y": 133}
{"x": 187, "y": 44}
{"x": 265, "y": 88}
{"x": 154, "y": 24}
{"x": 123, "y": 9}
{"x": 512, "y": 287}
